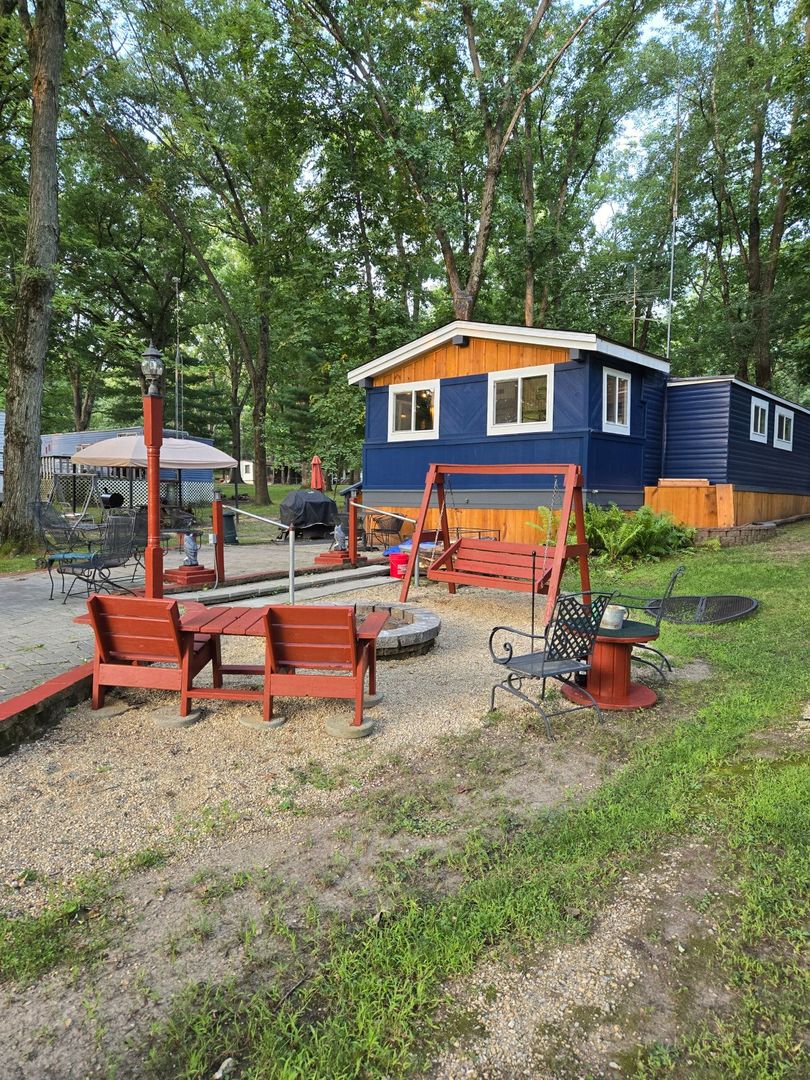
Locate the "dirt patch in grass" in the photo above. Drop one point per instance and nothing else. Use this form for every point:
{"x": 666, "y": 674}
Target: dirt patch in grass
{"x": 641, "y": 975}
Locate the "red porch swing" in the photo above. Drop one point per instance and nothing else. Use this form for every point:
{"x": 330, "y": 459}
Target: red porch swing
{"x": 496, "y": 564}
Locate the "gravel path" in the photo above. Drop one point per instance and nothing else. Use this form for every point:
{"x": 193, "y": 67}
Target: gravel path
{"x": 96, "y": 790}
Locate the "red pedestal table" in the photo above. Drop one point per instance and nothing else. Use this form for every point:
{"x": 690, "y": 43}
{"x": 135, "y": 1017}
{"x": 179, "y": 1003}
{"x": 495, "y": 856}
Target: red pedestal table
{"x": 609, "y": 677}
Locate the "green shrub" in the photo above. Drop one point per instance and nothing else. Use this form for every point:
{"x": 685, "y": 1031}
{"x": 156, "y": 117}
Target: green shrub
{"x": 615, "y": 535}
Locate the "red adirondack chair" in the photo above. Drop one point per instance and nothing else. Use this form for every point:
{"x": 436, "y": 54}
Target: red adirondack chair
{"x": 133, "y": 634}
{"x": 316, "y": 651}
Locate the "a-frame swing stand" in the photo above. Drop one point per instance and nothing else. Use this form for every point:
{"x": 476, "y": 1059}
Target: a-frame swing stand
{"x": 495, "y": 564}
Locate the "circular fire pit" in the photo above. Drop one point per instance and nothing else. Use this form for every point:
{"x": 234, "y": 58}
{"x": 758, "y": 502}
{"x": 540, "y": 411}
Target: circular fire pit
{"x": 410, "y": 630}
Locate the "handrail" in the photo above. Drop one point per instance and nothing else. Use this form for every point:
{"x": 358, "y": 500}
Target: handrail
{"x": 379, "y": 510}
{"x": 258, "y": 517}
{"x": 290, "y": 541}
{"x": 389, "y": 513}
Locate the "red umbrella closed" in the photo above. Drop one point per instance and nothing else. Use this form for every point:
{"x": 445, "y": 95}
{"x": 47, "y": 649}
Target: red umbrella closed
{"x": 317, "y": 481}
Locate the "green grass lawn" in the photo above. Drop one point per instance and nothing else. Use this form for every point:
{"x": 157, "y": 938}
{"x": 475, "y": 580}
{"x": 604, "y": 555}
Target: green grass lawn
{"x": 368, "y": 1002}
{"x": 17, "y": 564}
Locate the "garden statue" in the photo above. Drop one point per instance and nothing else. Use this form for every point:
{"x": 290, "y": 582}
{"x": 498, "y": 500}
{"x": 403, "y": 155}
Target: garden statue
{"x": 190, "y": 548}
{"x": 341, "y": 538}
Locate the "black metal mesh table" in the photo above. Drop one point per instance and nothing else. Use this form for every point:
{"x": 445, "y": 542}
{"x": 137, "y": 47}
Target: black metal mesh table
{"x": 704, "y": 609}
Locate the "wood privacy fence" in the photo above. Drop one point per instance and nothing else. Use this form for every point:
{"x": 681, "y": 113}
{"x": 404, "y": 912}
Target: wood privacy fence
{"x": 718, "y": 506}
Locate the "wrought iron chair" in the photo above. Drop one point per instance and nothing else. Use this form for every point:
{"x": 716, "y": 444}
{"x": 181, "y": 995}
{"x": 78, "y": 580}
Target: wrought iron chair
{"x": 563, "y": 652}
{"x": 95, "y": 571}
{"x": 656, "y": 609}
{"x": 66, "y": 540}
{"x": 63, "y": 532}
{"x": 384, "y": 530}
{"x": 176, "y": 519}
{"x": 139, "y": 533}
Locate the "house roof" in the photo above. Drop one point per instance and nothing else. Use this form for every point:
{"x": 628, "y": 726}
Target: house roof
{"x": 701, "y": 380}
{"x": 519, "y": 335}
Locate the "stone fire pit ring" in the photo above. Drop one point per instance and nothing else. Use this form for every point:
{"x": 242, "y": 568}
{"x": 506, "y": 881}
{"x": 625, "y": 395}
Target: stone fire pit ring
{"x": 410, "y": 630}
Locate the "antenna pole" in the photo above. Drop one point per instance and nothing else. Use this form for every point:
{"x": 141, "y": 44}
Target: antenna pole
{"x": 176, "y": 283}
{"x": 675, "y": 180}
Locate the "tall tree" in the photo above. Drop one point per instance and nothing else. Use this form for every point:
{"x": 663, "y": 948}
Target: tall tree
{"x": 444, "y": 91}
{"x": 44, "y": 30}
{"x": 206, "y": 116}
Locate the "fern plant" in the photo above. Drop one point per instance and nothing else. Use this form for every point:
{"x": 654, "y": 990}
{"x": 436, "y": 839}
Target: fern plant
{"x": 617, "y": 536}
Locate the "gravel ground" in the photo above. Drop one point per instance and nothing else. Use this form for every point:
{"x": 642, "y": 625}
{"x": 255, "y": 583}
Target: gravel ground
{"x": 96, "y": 790}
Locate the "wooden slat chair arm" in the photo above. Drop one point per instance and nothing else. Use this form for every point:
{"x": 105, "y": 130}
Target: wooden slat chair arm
{"x": 369, "y": 629}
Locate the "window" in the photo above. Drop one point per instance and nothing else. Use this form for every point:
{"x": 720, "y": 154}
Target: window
{"x": 615, "y": 402}
{"x": 783, "y": 428}
{"x": 520, "y": 400}
{"x": 759, "y": 420}
{"x": 413, "y": 411}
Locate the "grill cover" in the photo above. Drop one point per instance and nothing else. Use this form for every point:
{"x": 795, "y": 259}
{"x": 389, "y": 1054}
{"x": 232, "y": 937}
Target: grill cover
{"x": 309, "y": 510}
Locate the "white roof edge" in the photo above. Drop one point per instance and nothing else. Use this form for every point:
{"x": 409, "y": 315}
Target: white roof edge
{"x": 695, "y": 379}
{"x": 520, "y": 335}
{"x": 624, "y": 352}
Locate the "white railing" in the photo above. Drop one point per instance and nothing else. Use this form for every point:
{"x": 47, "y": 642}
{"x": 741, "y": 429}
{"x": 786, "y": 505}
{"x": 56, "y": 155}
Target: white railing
{"x": 391, "y": 513}
{"x": 290, "y": 541}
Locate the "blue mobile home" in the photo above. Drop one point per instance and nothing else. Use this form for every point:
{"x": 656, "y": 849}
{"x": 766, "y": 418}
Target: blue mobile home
{"x": 475, "y": 393}
{"x": 743, "y": 436}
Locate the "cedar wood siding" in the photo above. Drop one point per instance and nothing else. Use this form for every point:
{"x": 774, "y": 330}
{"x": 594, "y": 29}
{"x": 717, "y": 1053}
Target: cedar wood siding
{"x": 697, "y": 432}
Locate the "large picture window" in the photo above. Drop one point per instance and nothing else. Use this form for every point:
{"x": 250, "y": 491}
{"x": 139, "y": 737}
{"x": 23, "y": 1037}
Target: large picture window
{"x": 616, "y": 402}
{"x": 520, "y": 400}
{"x": 759, "y": 420}
{"x": 782, "y": 428}
{"x": 413, "y": 411}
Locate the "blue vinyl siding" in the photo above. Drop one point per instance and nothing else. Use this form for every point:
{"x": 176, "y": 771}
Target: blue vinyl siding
{"x": 463, "y": 438}
{"x": 757, "y": 466}
{"x": 613, "y": 463}
{"x": 653, "y": 396}
{"x": 697, "y": 432}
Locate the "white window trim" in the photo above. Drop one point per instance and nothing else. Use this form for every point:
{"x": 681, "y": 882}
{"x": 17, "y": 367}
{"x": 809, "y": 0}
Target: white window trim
{"x": 758, "y": 403}
{"x": 519, "y": 428}
{"x": 783, "y": 444}
{"x": 409, "y": 436}
{"x": 608, "y": 425}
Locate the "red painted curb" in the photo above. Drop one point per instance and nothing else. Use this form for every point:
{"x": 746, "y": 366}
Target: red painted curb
{"x": 49, "y": 691}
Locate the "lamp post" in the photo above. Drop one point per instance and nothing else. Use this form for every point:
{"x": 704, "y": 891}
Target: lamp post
{"x": 152, "y": 368}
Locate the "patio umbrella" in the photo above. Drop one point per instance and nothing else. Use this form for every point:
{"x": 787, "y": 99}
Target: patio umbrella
{"x": 129, "y": 451}
{"x": 317, "y": 481}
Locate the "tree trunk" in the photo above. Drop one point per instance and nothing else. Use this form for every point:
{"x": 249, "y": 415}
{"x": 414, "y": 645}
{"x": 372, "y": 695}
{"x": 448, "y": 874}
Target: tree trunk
{"x": 258, "y": 382}
{"x": 527, "y": 185}
{"x": 368, "y": 271}
{"x": 46, "y": 46}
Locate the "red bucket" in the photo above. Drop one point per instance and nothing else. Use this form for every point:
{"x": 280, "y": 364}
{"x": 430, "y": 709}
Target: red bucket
{"x": 398, "y": 561}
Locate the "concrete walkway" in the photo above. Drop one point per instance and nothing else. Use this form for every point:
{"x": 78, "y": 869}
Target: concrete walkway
{"x": 41, "y": 639}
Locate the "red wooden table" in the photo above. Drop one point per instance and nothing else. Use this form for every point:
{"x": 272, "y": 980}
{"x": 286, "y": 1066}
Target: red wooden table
{"x": 609, "y": 677}
{"x": 227, "y": 621}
